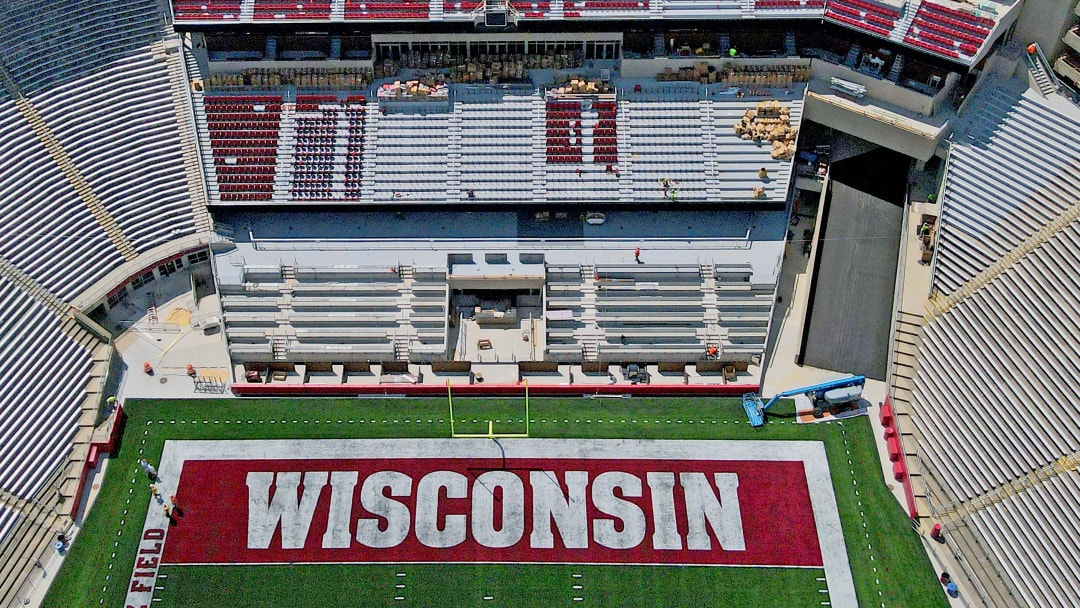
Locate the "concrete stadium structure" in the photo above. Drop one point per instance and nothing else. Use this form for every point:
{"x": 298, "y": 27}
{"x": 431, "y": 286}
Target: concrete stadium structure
{"x": 588, "y": 186}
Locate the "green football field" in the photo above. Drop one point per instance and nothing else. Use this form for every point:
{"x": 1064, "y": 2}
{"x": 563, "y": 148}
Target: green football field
{"x": 887, "y": 561}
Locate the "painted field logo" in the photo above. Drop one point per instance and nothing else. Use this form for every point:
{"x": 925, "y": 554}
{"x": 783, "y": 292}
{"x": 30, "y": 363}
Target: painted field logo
{"x": 496, "y": 496}
{"x": 556, "y": 510}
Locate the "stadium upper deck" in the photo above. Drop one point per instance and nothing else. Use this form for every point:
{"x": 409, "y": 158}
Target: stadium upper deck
{"x": 962, "y": 31}
{"x": 642, "y": 142}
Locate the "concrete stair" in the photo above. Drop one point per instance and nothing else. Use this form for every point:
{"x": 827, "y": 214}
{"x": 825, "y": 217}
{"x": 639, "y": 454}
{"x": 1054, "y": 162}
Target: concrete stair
{"x": 179, "y": 81}
{"x": 539, "y": 151}
{"x": 286, "y": 154}
{"x": 903, "y": 24}
{"x": 75, "y": 178}
{"x": 625, "y": 145}
{"x": 1043, "y": 80}
{"x": 279, "y": 346}
{"x": 45, "y": 297}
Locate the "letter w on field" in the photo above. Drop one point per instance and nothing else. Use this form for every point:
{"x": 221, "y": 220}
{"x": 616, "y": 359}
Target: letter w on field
{"x": 287, "y": 509}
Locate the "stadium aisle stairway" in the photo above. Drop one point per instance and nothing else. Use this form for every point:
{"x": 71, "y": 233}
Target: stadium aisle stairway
{"x": 75, "y": 177}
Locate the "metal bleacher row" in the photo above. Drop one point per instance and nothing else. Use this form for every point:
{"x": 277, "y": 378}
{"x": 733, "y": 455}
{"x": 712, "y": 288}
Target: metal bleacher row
{"x": 41, "y": 212}
{"x": 1046, "y": 513}
{"x": 995, "y": 195}
{"x": 78, "y": 64}
{"x": 318, "y": 313}
{"x": 993, "y": 402}
{"x": 495, "y": 147}
{"x": 996, "y": 392}
{"x": 410, "y": 154}
{"x": 663, "y": 311}
{"x": 135, "y": 132}
{"x": 45, "y": 373}
{"x": 92, "y": 174}
{"x": 45, "y": 43}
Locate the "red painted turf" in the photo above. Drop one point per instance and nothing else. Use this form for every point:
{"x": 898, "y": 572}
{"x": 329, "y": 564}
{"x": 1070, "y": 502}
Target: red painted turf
{"x": 777, "y": 517}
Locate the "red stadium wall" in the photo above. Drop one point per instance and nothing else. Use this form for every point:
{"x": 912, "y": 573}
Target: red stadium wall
{"x": 900, "y": 468}
{"x": 97, "y": 449}
{"x": 490, "y": 390}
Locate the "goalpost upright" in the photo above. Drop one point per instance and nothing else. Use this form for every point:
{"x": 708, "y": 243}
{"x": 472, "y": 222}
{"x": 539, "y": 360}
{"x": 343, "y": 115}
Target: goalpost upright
{"x": 491, "y": 434}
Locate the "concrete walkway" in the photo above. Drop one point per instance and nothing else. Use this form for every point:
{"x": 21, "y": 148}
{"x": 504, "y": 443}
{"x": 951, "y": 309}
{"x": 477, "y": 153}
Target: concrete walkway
{"x": 50, "y": 565}
{"x": 166, "y": 340}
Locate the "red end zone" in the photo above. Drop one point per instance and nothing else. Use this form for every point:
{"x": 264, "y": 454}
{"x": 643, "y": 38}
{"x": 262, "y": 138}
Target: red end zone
{"x": 544, "y": 510}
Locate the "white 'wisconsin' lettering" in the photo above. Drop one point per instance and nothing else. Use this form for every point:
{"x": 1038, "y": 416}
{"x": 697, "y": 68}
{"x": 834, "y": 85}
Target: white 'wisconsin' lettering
{"x": 496, "y": 515}
{"x": 723, "y": 514}
{"x": 568, "y": 510}
{"x": 265, "y": 514}
{"x": 374, "y": 499}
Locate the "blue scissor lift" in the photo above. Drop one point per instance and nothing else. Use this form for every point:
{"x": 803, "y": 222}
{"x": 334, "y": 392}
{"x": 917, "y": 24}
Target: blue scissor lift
{"x": 832, "y": 391}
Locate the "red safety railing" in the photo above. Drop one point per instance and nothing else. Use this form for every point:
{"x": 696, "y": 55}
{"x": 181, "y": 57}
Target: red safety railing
{"x": 900, "y": 468}
{"x": 490, "y": 390}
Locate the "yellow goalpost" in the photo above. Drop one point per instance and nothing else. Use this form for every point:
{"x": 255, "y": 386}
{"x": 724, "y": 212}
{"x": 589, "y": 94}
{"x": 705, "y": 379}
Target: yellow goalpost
{"x": 490, "y": 434}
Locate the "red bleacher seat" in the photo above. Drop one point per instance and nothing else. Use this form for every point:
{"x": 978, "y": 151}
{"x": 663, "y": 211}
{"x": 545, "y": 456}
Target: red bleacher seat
{"x": 862, "y": 25}
{"x": 948, "y": 31}
{"x": 464, "y": 7}
{"x": 195, "y": 10}
{"x": 789, "y": 4}
{"x": 386, "y": 9}
{"x": 243, "y": 133}
{"x": 930, "y": 47}
{"x": 300, "y": 9}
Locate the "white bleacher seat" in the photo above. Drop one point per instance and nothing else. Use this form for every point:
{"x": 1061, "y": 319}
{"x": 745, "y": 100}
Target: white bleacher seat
{"x": 44, "y": 379}
{"x": 1032, "y": 536}
{"x": 497, "y": 147}
{"x": 134, "y": 136}
{"x": 51, "y": 234}
{"x": 87, "y": 67}
{"x": 410, "y": 155}
{"x": 8, "y": 518}
{"x": 48, "y": 43}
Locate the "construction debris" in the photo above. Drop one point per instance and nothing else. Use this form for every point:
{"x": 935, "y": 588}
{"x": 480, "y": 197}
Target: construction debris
{"x": 771, "y": 122}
